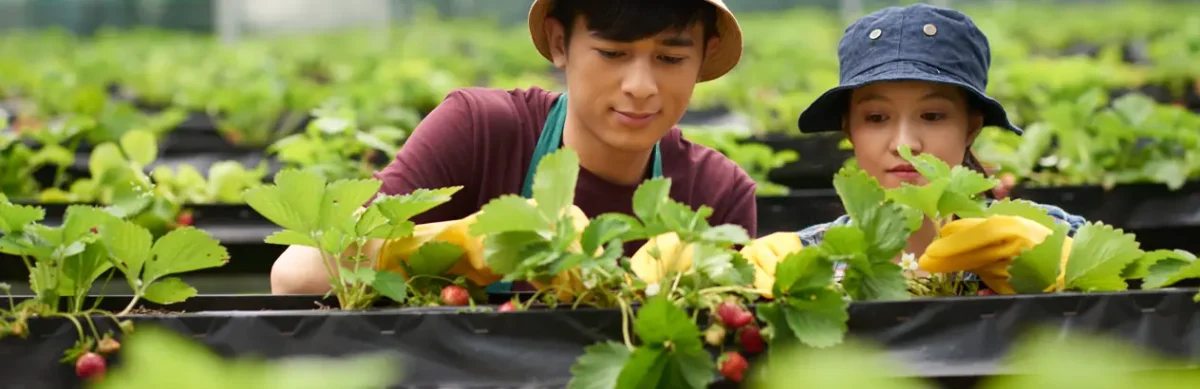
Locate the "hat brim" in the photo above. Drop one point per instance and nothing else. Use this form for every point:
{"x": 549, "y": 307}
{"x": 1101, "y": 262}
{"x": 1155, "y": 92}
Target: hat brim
{"x": 825, "y": 113}
{"x": 716, "y": 64}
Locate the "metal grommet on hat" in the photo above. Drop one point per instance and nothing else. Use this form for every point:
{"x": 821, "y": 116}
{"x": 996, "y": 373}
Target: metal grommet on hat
{"x": 930, "y": 29}
{"x": 876, "y": 33}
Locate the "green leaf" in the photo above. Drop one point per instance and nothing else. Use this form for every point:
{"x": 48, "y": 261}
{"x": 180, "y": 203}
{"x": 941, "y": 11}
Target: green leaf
{"x": 721, "y": 265}
{"x": 957, "y": 204}
{"x": 1021, "y": 208}
{"x": 600, "y": 366}
{"x": 405, "y": 207}
{"x": 291, "y": 238}
{"x": 140, "y": 146}
{"x": 967, "y": 182}
{"x": 655, "y": 367}
{"x": 1169, "y": 270}
{"x": 372, "y": 224}
{"x": 1098, "y": 255}
{"x": 505, "y": 251}
{"x": 650, "y": 196}
{"x": 341, "y": 199}
{"x": 434, "y": 258}
{"x": 14, "y": 218}
{"x": 391, "y": 285}
{"x": 727, "y": 234}
{"x": 848, "y": 365}
{"x": 1037, "y": 269}
{"x": 803, "y": 270}
{"x": 292, "y": 202}
{"x": 128, "y": 245}
{"x": 81, "y": 270}
{"x": 554, "y": 182}
{"x": 169, "y": 290}
{"x": 928, "y": 165}
{"x": 1052, "y": 359}
{"x": 184, "y": 250}
{"x": 645, "y": 369}
{"x": 846, "y": 244}
{"x": 660, "y": 321}
{"x": 817, "y": 317}
{"x": 1141, "y": 268}
{"x": 605, "y": 228}
{"x": 508, "y": 213}
{"x": 924, "y": 198}
{"x": 885, "y": 281}
{"x": 886, "y": 228}
{"x": 858, "y": 191}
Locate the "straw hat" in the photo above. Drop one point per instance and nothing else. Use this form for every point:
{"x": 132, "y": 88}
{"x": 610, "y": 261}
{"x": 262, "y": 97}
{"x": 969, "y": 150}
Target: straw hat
{"x": 727, "y": 55}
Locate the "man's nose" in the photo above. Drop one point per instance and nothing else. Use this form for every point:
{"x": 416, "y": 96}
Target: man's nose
{"x": 639, "y": 82}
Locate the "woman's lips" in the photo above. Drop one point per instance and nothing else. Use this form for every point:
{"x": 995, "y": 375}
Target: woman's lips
{"x": 906, "y": 173}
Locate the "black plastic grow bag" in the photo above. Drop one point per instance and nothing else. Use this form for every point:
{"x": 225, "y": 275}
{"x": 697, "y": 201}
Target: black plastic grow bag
{"x": 952, "y": 341}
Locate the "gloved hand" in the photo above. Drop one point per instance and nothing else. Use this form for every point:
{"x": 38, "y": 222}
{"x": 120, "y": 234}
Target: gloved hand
{"x": 471, "y": 265}
{"x": 765, "y": 253}
{"x": 986, "y": 247}
{"x": 673, "y": 256}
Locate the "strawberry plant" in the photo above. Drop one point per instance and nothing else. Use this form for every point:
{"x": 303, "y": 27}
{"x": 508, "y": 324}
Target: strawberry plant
{"x": 330, "y": 217}
{"x": 92, "y": 242}
{"x": 333, "y": 145}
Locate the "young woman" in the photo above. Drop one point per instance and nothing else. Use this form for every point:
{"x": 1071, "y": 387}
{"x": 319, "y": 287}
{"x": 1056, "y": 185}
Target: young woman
{"x": 911, "y": 76}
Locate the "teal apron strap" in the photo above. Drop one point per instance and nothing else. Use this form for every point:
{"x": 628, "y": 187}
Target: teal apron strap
{"x": 548, "y": 142}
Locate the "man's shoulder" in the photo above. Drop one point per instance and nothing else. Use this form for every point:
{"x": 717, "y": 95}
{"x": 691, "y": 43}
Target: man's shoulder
{"x": 492, "y": 103}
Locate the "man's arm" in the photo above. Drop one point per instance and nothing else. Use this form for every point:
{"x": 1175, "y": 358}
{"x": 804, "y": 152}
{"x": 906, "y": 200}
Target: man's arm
{"x": 438, "y": 154}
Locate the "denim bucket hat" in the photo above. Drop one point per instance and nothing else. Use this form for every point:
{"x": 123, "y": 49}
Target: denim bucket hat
{"x": 914, "y": 43}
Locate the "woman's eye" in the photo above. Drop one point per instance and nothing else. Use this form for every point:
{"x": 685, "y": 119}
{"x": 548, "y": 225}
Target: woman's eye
{"x": 608, "y": 54}
{"x": 933, "y": 116}
{"x": 876, "y": 118}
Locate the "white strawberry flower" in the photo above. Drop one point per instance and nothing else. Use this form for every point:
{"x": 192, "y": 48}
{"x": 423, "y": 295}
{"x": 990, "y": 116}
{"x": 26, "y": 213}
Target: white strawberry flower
{"x": 908, "y": 261}
{"x": 652, "y": 290}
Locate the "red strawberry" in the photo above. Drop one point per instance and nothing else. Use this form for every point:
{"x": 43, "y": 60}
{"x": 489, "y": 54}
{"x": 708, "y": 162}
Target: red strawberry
{"x": 184, "y": 218}
{"x": 733, "y": 316}
{"x": 95, "y": 231}
{"x": 751, "y": 340}
{"x": 90, "y": 366}
{"x": 733, "y": 366}
{"x": 455, "y": 295}
{"x": 506, "y": 307}
{"x": 986, "y": 292}
{"x": 108, "y": 346}
{"x": 715, "y": 335}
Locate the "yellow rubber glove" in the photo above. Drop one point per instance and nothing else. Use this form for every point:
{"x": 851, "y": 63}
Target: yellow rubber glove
{"x": 765, "y": 253}
{"x": 986, "y": 246}
{"x": 471, "y": 265}
{"x": 672, "y": 257}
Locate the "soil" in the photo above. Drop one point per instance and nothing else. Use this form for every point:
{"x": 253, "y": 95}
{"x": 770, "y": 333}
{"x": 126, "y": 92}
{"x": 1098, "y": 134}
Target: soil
{"x": 146, "y": 311}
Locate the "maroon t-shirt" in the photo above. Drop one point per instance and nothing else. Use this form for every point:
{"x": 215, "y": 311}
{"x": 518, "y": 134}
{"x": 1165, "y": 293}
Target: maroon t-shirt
{"x": 483, "y": 139}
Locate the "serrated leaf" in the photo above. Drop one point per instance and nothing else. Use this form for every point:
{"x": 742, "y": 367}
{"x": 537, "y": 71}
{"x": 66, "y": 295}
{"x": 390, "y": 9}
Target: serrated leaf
{"x": 434, "y": 258}
{"x": 1022, "y": 208}
{"x": 967, "y": 182}
{"x": 291, "y": 238}
{"x": 128, "y": 244}
{"x": 721, "y": 266}
{"x": 660, "y": 321}
{"x": 81, "y": 270}
{"x": 184, "y": 250}
{"x": 1038, "y": 268}
{"x": 554, "y": 182}
{"x": 803, "y": 270}
{"x": 817, "y": 317}
{"x": 650, "y": 196}
{"x": 726, "y": 233}
{"x": 509, "y": 213}
{"x": 371, "y": 223}
{"x": 1168, "y": 271}
{"x": 169, "y": 290}
{"x": 957, "y": 204}
{"x": 1141, "y": 268}
{"x": 925, "y": 198}
{"x": 404, "y": 207}
{"x": 1098, "y": 255}
{"x": 505, "y": 251}
{"x": 605, "y": 228}
{"x": 341, "y": 199}
{"x": 600, "y": 366}
{"x": 928, "y": 165}
{"x": 391, "y": 285}
{"x": 887, "y": 230}
{"x": 884, "y": 282}
{"x": 14, "y": 218}
{"x": 292, "y": 202}
{"x": 656, "y": 367}
{"x": 846, "y": 244}
{"x": 858, "y": 191}
{"x": 79, "y": 220}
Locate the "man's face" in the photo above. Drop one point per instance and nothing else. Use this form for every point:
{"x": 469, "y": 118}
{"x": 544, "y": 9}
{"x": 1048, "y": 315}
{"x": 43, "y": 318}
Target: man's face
{"x": 627, "y": 95}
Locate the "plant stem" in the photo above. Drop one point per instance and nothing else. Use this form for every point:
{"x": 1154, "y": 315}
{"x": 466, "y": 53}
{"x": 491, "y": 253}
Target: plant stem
{"x": 78, "y": 327}
{"x": 132, "y": 302}
{"x": 626, "y": 311}
{"x": 722, "y": 289}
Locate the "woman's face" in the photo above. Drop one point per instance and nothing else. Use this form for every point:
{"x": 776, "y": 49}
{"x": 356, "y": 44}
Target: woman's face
{"x": 930, "y": 118}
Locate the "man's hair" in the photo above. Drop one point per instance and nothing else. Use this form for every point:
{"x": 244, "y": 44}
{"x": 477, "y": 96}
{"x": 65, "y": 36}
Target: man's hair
{"x": 631, "y": 20}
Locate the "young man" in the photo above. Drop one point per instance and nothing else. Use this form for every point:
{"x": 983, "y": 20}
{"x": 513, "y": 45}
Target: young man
{"x": 631, "y": 67}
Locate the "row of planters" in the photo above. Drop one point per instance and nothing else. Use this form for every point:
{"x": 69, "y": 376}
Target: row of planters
{"x": 697, "y": 305}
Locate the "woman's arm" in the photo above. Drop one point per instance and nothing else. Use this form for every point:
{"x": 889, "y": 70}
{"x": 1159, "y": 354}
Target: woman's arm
{"x": 302, "y": 270}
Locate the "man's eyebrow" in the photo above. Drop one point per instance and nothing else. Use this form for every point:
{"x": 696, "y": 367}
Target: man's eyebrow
{"x": 678, "y": 41}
